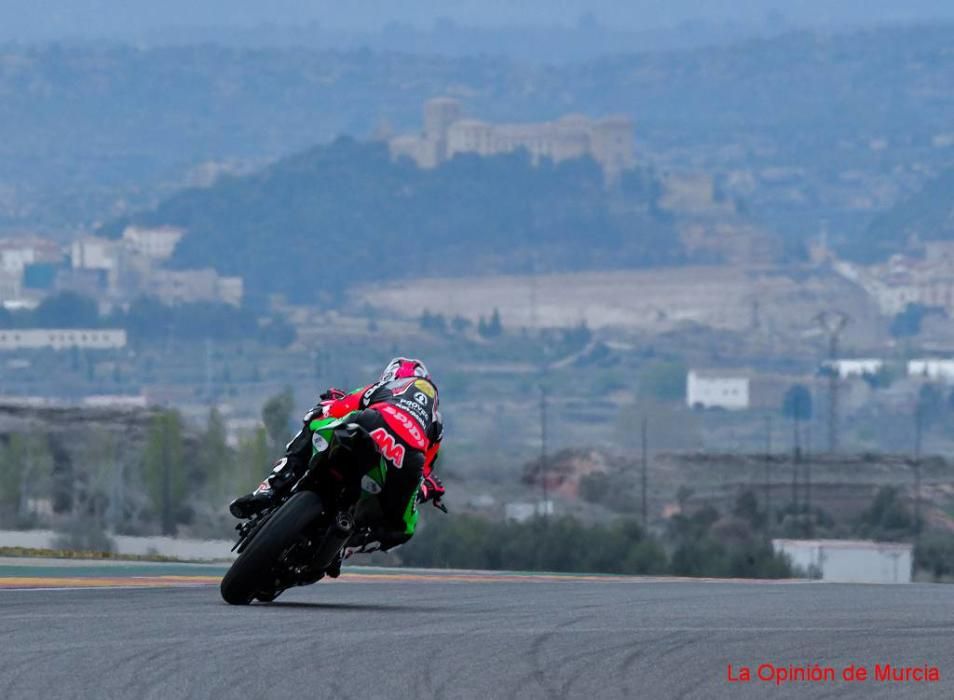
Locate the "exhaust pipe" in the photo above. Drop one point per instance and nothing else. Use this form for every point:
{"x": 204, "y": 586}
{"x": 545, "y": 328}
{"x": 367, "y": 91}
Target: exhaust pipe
{"x": 335, "y": 538}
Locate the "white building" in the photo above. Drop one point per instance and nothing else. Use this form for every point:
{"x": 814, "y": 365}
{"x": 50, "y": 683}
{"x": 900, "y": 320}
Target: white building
{"x": 155, "y": 243}
{"x": 932, "y": 369}
{"x": 62, "y": 338}
{"x": 717, "y": 389}
{"x": 850, "y": 561}
{"x": 608, "y": 141}
{"x": 115, "y": 401}
{"x": 14, "y": 259}
{"x": 92, "y": 253}
{"x": 522, "y": 511}
{"x": 855, "y": 367}
{"x": 188, "y": 286}
{"x": 11, "y": 284}
{"x": 17, "y": 253}
{"x": 902, "y": 281}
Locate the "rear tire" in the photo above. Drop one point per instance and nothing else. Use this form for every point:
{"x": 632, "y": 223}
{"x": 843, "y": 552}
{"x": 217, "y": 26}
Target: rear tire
{"x": 267, "y": 596}
{"x": 250, "y": 572}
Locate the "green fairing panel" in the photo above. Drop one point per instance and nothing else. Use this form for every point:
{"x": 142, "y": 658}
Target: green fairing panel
{"x": 379, "y": 472}
{"x": 326, "y": 423}
{"x": 411, "y": 513}
{"x": 325, "y": 428}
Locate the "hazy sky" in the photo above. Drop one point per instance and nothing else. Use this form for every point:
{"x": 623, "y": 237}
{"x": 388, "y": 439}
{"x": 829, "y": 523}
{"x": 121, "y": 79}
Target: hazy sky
{"x": 42, "y": 19}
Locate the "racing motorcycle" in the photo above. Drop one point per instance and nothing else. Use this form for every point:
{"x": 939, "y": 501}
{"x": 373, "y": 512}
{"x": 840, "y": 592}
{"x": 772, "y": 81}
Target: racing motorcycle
{"x": 331, "y": 511}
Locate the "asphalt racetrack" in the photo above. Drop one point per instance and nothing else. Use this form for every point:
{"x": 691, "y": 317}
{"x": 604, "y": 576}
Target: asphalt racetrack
{"x": 123, "y": 632}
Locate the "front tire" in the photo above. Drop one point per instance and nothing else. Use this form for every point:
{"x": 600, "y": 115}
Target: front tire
{"x": 250, "y": 572}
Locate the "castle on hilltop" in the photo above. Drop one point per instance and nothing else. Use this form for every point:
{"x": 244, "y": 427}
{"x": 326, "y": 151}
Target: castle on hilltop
{"x": 447, "y": 132}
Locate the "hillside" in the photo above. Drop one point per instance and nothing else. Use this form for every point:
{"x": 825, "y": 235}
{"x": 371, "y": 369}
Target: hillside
{"x": 821, "y": 126}
{"x": 343, "y": 214}
{"x": 928, "y": 215}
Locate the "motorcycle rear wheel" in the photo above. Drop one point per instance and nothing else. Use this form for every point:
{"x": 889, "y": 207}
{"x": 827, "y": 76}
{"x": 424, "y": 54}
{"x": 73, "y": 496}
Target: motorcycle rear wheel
{"x": 250, "y": 572}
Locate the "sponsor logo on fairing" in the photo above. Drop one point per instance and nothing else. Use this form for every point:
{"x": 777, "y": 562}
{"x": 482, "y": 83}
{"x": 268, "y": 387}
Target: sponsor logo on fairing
{"x": 426, "y": 387}
{"x": 419, "y": 412}
{"x": 370, "y": 485}
{"x": 389, "y": 447}
{"x": 401, "y": 417}
{"x": 319, "y": 443}
{"x": 367, "y": 394}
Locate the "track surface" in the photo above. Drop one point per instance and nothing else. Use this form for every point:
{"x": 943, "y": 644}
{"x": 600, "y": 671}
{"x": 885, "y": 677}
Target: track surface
{"x": 468, "y": 636}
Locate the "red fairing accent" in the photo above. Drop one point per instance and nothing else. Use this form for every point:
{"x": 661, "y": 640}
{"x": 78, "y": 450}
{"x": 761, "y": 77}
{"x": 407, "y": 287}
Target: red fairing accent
{"x": 396, "y": 391}
{"x": 429, "y": 456}
{"x": 402, "y": 423}
{"x": 389, "y": 447}
{"x": 342, "y": 407}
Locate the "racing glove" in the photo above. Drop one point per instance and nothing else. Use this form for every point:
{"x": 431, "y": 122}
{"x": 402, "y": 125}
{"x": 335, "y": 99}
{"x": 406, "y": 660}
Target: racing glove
{"x": 332, "y": 394}
{"x": 431, "y": 490}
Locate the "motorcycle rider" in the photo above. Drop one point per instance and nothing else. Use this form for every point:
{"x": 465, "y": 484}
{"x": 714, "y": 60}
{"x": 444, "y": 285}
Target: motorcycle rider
{"x": 400, "y": 413}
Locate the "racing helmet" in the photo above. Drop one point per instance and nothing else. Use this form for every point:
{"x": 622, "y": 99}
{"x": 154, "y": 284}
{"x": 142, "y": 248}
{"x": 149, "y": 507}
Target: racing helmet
{"x": 404, "y": 368}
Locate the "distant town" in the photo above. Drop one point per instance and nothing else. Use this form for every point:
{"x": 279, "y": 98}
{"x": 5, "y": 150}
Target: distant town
{"x": 743, "y": 290}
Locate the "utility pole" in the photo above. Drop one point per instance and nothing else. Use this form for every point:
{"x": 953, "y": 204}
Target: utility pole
{"x": 208, "y": 371}
{"x": 918, "y": 420}
{"x": 808, "y": 480}
{"x": 543, "y": 405}
{"x": 832, "y": 324}
{"x": 543, "y": 447}
{"x": 168, "y": 525}
{"x": 796, "y": 456}
{"x": 645, "y": 461}
{"x": 768, "y": 475}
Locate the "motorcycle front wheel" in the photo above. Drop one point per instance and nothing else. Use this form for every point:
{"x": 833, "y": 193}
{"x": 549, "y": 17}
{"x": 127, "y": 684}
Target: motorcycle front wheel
{"x": 251, "y": 571}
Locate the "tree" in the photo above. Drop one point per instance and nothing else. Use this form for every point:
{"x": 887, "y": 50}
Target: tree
{"x": 492, "y": 328}
{"x": 214, "y": 457}
{"x": 251, "y": 460}
{"x": 164, "y": 471}
{"x": 276, "y": 415}
{"x": 886, "y": 518}
{"x": 578, "y": 336}
{"x": 26, "y": 464}
{"x": 907, "y": 323}
{"x": 460, "y": 325}
{"x": 931, "y": 404}
{"x": 66, "y": 310}
{"x": 433, "y": 323}
{"x": 935, "y": 553}
{"x": 99, "y": 475}
{"x": 797, "y": 403}
{"x": 746, "y": 507}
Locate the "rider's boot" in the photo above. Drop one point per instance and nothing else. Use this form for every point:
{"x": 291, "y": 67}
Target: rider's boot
{"x": 334, "y": 570}
{"x": 268, "y": 492}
